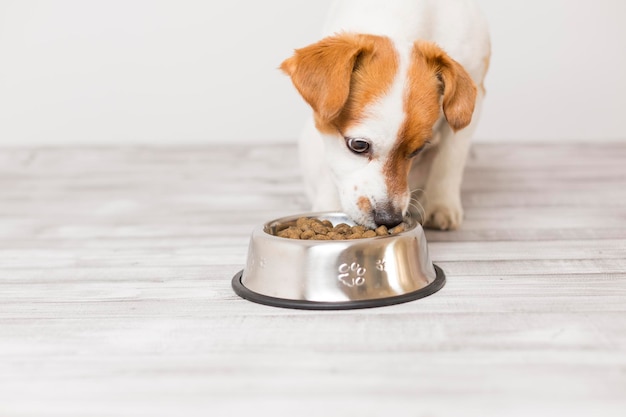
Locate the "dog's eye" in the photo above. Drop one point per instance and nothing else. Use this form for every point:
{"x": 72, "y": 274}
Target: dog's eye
{"x": 418, "y": 150}
{"x": 356, "y": 145}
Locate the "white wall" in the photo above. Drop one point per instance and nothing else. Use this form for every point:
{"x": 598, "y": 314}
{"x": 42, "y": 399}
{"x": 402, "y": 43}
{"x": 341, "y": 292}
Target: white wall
{"x": 181, "y": 71}
{"x": 558, "y": 70}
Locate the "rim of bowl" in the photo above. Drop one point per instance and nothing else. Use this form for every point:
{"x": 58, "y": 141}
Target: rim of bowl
{"x": 269, "y": 227}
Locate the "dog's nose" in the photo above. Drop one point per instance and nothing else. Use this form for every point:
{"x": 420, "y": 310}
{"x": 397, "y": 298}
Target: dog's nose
{"x": 387, "y": 216}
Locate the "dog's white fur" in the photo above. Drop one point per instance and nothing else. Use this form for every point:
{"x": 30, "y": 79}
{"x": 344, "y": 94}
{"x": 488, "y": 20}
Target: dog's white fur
{"x": 335, "y": 178}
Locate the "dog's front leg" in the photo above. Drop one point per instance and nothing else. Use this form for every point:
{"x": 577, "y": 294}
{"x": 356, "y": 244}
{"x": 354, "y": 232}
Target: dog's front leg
{"x": 442, "y": 193}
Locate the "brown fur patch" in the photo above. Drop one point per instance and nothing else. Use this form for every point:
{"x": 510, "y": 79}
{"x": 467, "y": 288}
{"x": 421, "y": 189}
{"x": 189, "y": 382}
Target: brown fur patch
{"x": 421, "y": 106}
{"x": 364, "y": 204}
{"x": 396, "y": 172}
{"x": 431, "y": 73}
{"x": 459, "y": 95}
{"x": 340, "y": 75}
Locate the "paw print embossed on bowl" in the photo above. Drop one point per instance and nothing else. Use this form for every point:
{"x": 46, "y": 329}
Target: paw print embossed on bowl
{"x": 336, "y": 274}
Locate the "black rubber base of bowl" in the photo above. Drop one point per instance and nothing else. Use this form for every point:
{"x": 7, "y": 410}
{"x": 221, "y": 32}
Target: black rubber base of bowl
{"x": 250, "y": 295}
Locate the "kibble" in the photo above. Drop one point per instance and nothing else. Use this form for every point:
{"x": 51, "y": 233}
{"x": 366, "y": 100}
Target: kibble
{"x": 309, "y": 228}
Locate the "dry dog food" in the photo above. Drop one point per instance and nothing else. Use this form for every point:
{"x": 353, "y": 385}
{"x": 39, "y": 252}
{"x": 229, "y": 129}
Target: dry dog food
{"x": 309, "y": 228}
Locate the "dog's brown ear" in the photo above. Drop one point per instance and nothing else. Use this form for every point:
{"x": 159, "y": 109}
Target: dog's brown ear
{"x": 459, "y": 91}
{"x": 322, "y": 72}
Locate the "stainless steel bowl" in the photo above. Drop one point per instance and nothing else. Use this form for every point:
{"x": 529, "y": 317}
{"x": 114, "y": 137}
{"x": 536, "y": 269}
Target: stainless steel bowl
{"x": 336, "y": 274}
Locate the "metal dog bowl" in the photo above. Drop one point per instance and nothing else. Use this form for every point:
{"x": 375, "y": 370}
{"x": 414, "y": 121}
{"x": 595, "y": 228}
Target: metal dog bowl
{"x": 336, "y": 274}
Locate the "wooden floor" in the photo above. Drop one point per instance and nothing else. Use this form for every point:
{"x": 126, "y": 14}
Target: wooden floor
{"x": 115, "y": 297}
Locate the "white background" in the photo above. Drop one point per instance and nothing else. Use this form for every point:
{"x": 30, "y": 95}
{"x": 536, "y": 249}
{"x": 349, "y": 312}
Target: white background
{"x": 196, "y": 72}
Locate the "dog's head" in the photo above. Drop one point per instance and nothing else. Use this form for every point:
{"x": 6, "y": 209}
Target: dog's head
{"x": 375, "y": 103}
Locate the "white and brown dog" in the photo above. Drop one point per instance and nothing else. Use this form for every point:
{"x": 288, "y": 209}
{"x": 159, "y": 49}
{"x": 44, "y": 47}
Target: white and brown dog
{"x": 395, "y": 101}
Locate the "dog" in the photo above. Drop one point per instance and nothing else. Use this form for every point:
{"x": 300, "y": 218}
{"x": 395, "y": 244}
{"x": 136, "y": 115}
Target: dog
{"x": 396, "y": 88}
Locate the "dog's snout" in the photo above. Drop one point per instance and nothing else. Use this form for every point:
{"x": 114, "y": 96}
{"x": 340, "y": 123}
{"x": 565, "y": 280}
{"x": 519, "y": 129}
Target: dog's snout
{"x": 386, "y": 215}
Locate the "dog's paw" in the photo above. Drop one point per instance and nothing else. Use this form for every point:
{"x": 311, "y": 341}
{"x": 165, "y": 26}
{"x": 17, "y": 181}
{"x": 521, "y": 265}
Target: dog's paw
{"x": 443, "y": 216}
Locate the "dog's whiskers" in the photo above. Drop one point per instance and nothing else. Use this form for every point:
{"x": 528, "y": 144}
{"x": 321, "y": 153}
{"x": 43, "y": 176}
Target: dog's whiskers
{"x": 417, "y": 207}
{"x": 419, "y": 211}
